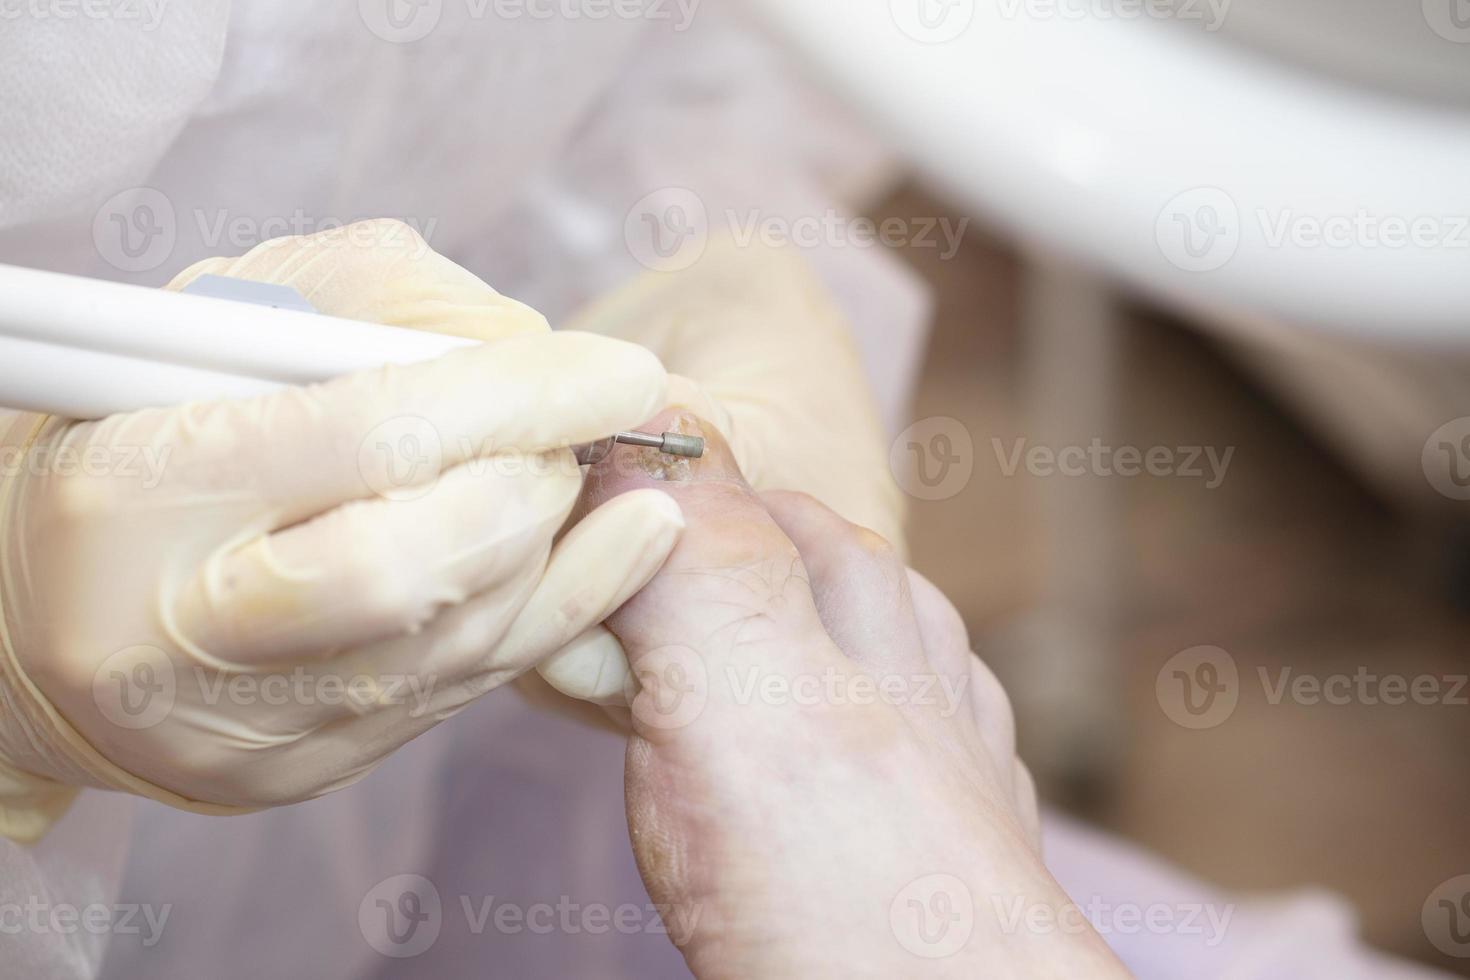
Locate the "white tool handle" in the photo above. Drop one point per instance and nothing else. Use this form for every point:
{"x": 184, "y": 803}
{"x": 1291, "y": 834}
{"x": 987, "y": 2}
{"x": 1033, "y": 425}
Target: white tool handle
{"x": 85, "y": 348}
{"x": 84, "y": 384}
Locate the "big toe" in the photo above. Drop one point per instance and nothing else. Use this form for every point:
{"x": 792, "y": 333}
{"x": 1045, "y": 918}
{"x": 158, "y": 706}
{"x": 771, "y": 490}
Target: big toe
{"x": 733, "y": 593}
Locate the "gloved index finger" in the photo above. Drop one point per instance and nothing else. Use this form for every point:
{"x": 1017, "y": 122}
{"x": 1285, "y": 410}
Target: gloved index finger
{"x": 391, "y": 431}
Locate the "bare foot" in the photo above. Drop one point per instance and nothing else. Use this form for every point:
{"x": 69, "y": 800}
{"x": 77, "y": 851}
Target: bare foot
{"x": 822, "y": 778}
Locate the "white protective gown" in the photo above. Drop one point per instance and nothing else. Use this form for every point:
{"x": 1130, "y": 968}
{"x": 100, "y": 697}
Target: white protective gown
{"x": 517, "y": 143}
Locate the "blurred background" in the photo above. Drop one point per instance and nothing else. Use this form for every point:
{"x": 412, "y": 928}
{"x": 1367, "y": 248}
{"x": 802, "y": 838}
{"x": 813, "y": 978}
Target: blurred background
{"x": 1232, "y": 235}
{"x": 1292, "y": 563}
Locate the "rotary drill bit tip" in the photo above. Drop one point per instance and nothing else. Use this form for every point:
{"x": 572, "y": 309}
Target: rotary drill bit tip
{"x": 678, "y": 444}
{"x": 669, "y": 443}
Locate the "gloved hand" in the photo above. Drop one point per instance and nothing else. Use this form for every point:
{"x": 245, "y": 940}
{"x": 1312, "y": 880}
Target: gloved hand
{"x": 757, "y": 347}
{"x": 237, "y": 605}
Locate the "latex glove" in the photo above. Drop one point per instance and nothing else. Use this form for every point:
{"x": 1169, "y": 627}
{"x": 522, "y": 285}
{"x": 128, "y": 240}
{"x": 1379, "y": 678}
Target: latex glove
{"x": 219, "y": 611}
{"x": 757, "y": 347}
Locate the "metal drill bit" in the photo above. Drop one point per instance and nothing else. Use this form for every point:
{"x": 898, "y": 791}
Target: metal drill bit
{"x": 669, "y": 443}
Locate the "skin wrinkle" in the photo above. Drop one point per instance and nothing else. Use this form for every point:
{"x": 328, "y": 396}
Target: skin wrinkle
{"x": 663, "y": 855}
{"x": 760, "y": 614}
{"x": 772, "y": 586}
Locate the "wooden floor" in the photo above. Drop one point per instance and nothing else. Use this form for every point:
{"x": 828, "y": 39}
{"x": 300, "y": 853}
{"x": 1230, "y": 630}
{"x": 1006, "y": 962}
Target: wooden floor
{"x": 1289, "y": 564}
